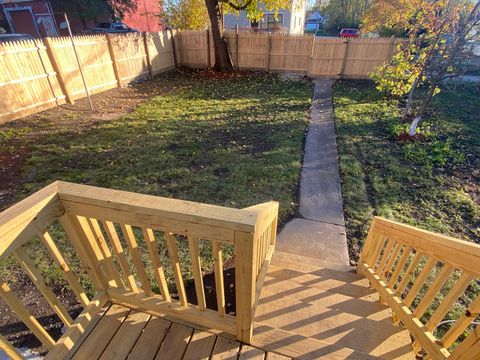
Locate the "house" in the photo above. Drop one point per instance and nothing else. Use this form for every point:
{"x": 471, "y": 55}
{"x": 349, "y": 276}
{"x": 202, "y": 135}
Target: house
{"x": 314, "y": 21}
{"x": 34, "y": 17}
{"x": 290, "y": 20}
{"x": 39, "y": 19}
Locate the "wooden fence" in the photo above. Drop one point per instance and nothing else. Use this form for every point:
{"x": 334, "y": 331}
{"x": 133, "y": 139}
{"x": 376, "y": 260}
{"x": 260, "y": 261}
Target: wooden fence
{"x": 39, "y": 74}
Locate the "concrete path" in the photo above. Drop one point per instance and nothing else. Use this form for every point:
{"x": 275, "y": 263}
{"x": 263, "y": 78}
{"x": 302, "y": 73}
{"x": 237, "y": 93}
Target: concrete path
{"x": 319, "y": 230}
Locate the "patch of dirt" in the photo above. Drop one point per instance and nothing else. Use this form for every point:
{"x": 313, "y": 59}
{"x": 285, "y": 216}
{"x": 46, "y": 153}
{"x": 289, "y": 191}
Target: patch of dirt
{"x": 405, "y": 137}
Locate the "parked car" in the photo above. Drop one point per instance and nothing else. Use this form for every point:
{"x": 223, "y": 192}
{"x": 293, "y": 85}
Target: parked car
{"x": 113, "y": 27}
{"x": 15, "y": 37}
{"x": 349, "y": 33}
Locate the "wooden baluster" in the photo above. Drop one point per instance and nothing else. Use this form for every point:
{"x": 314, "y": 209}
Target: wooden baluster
{"x": 9, "y": 350}
{"x": 468, "y": 349}
{"x": 419, "y": 281}
{"x": 84, "y": 251}
{"x": 433, "y": 290}
{"x": 380, "y": 240}
{"x": 39, "y": 281}
{"x": 177, "y": 271}
{"x": 410, "y": 269}
{"x": 218, "y": 269}
{"x": 245, "y": 283}
{"x": 118, "y": 249}
{"x": 384, "y": 256}
{"x": 137, "y": 259}
{"x": 193, "y": 244}
{"x": 399, "y": 267}
{"x": 158, "y": 271}
{"x": 370, "y": 245}
{"x": 67, "y": 272}
{"x": 455, "y": 292}
{"x": 393, "y": 257}
{"x": 23, "y": 314}
{"x": 462, "y": 323}
{"x": 110, "y": 265}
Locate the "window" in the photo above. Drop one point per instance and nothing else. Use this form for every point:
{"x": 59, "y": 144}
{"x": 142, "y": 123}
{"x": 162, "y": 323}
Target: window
{"x": 271, "y": 22}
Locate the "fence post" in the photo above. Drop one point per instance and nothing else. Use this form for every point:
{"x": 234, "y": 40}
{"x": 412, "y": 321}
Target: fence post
{"x": 391, "y": 50}
{"x": 174, "y": 51}
{"x": 147, "y": 52}
{"x": 208, "y": 49}
{"x": 345, "y": 57}
{"x": 56, "y": 67}
{"x": 245, "y": 282}
{"x": 236, "y": 43}
{"x": 269, "y": 46}
{"x": 114, "y": 60}
{"x": 311, "y": 54}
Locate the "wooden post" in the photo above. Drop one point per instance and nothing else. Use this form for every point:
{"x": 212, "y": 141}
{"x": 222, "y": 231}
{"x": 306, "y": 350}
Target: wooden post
{"x": 269, "y": 45}
{"x": 391, "y": 50}
{"x": 114, "y": 60}
{"x": 147, "y": 52}
{"x": 208, "y": 49}
{"x": 174, "y": 51}
{"x": 245, "y": 278}
{"x": 236, "y": 43}
{"x": 44, "y": 68}
{"x": 345, "y": 57}
{"x": 311, "y": 55}
{"x": 56, "y": 67}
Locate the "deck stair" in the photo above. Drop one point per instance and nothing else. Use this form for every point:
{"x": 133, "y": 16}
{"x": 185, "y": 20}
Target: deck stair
{"x": 286, "y": 306}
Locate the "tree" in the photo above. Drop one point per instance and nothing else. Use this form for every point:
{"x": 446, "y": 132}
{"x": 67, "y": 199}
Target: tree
{"x": 435, "y": 49}
{"x": 93, "y": 9}
{"x": 343, "y": 13}
{"x": 185, "y": 14}
{"x": 216, "y": 8}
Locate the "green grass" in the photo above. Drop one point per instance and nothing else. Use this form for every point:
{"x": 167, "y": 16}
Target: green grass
{"x": 432, "y": 184}
{"x": 234, "y": 142}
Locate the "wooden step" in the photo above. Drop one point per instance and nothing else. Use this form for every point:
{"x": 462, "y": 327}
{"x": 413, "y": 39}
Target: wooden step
{"x": 301, "y": 347}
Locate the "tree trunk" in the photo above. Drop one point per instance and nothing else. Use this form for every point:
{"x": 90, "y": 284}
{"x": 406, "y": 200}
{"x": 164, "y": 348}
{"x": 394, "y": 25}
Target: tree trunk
{"x": 408, "y": 106}
{"x": 222, "y": 59}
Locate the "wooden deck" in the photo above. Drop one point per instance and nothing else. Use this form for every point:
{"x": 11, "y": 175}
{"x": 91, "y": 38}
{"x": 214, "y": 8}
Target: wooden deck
{"x": 311, "y": 310}
{"x": 121, "y": 333}
{"x": 305, "y": 312}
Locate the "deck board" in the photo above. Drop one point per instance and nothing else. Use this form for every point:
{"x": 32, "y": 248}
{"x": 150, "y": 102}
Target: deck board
{"x": 225, "y": 349}
{"x": 200, "y": 346}
{"x": 150, "y": 340}
{"x": 175, "y": 343}
{"x": 126, "y": 336}
{"x": 100, "y": 336}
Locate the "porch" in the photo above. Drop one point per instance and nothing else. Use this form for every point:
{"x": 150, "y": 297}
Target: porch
{"x": 287, "y": 306}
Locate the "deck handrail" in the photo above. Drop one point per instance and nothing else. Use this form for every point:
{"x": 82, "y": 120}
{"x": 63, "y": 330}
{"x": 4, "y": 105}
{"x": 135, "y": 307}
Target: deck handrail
{"x": 107, "y": 229}
{"x": 421, "y": 275}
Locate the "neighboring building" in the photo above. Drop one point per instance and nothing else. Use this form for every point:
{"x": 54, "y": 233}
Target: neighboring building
{"x": 314, "y": 22}
{"x": 37, "y": 18}
{"x": 34, "y": 17}
{"x": 146, "y": 18}
{"x": 289, "y": 20}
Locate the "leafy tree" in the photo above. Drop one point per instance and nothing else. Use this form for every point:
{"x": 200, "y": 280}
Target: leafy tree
{"x": 185, "y": 14}
{"x": 94, "y": 9}
{"x": 254, "y": 10}
{"x": 438, "y": 34}
{"x": 343, "y": 13}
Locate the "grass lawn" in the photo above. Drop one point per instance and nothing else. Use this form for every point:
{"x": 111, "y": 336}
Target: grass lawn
{"x": 433, "y": 184}
{"x": 228, "y": 141}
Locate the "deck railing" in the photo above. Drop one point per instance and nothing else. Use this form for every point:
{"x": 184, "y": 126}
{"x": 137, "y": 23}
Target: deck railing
{"x": 425, "y": 278}
{"x": 106, "y": 228}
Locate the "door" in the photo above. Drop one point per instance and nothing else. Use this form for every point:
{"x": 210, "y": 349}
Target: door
{"x": 22, "y": 21}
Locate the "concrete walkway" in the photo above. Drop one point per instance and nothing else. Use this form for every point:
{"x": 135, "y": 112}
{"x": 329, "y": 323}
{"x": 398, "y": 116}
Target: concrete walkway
{"x": 319, "y": 230}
